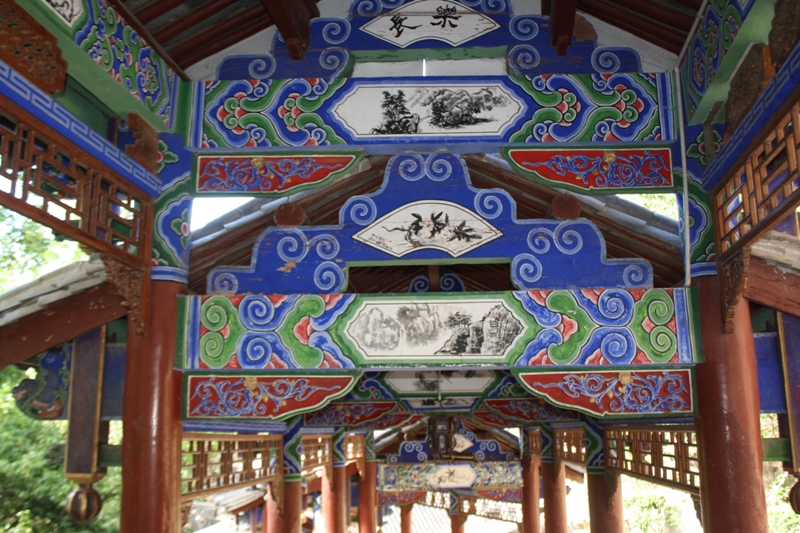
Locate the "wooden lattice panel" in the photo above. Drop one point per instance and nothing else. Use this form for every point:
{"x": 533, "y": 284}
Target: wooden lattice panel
{"x": 664, "y": 455}
{"x": 762, "y": 190}
{"x": 212, "y": 463}
{"x": 496, "y": 510}
{"x": 49, "y": 180}
{"x": 569, "y": 444}
{"x": 316, "y": 451}
{"x": 354, "y": 447}
{"x": 440, "y": 500}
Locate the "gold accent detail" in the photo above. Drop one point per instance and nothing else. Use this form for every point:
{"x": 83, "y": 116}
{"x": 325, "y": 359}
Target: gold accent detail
{"x": 625, "y": 378}
{"x": 609, "y": 156}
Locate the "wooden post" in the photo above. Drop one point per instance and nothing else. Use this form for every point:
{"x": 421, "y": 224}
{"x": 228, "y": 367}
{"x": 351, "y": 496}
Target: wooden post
{"x": 405, "y": 517}
{"x": 732, "y": 491}
{"x": 151, "y": 446}
{"x": 605, "y": 503}
{"x": 327, "y": 507}
{"x": 457, "y": 523}
{"x": 530, "y": 493}
{"x": 341, "y": 511}
{"x": 555, "y": 497}
{"x": 366, "y": 498}
{"x": 292, "y": 506}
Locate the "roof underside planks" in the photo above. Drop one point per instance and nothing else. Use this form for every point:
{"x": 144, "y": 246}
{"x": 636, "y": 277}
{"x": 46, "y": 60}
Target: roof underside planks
{"x": 192, "y": 30}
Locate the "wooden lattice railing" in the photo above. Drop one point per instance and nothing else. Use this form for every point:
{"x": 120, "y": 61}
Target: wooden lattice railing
{"x": 316, "y": 451}
{"x": 212, "y": 463}
{"x": 46, "y": 178}
{"x": 666, "y": 455}
{"x": 497, "y": 510}
{"x": 762, "y": 190}
{"x": 569, "y": 444}
{"x": 440, "y": 500}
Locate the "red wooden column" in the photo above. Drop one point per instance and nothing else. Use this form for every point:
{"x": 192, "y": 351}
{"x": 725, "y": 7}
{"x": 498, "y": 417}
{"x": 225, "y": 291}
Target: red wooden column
{"x": 555, "y": 497}
{"x": 530, "y": 493}
{"x": 367, "y": 488}
{"x": 405, "y": 517}
{"x": 732, "y": 490}
{"x": 605, "y": 503}
{"x": 340, "y": 498}
{"x": 457, "y": 522}
{"x": 151, "y": 447}
{"x": 292, "y": 507}
{"x": 327, "y": 504}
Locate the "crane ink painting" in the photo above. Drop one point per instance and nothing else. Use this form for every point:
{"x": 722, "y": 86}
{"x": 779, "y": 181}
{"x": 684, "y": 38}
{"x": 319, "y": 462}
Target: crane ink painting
{"x": 388, "y": 329}
{"x": 437, "y": 476}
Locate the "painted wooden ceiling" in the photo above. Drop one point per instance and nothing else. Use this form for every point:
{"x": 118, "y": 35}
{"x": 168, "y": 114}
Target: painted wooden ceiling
{"x": 189, "y": 31}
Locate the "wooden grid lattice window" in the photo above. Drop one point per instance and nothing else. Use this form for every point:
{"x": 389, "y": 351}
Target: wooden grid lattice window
{"x": 212, "y": 463}
{"x": 763, "y": 189}
{"x": 60, "y": 186}
{"x": 354, "y": 447}
{"x": 665, "y": 455}
{"x": 496, "y": 510}
{"x": 570, "y": 444}
{"x": 440, "y": 500}
{"x": 316, "y": 451}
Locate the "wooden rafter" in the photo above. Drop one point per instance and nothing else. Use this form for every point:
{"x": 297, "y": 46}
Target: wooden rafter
{"x": 562, "y": 24}
{"x": 669, "y": 38}
{"x": 155, "y": 9}
{"x": 194, "y": 17}
{"x": 293, "y": 18}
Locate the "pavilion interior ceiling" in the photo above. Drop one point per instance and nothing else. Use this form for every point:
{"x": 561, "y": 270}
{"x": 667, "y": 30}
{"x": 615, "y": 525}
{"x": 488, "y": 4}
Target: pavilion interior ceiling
{"x": 192, "y": 30}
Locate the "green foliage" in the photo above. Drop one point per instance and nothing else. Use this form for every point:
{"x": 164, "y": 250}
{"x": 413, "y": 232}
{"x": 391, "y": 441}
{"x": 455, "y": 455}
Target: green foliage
{"x": 33, "y": 489}
{"x": 777, "y": 484}
{"x": 28, "y": 247}
{"x": 650, "y": 513}
{"x": 663, "y": 204}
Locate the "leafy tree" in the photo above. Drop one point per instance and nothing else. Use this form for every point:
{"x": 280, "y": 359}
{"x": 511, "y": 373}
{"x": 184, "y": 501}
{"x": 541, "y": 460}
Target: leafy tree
{"x": 650, "y": 513}
{"x": 27, "y": 248}
{"x": 33, "y": 488}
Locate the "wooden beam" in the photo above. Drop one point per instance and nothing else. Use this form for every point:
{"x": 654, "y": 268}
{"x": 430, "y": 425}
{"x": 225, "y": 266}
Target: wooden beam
{"x": 293, "y": 18}
{"x": 155, "y": 9}
{"x": 667, "y": 38}
{"x": 773, "y": 287}
{"x": 58, "y": 323}
{"x": 221, "y": 36}
{"x": 677, "y": 18}
{"x": 194, "y": 17}
{"x": 562, "y": 24}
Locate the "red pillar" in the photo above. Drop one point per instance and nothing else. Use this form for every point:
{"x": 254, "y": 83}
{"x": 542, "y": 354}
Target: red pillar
{"x": 367, "y": 485}
{"x": 605, "y": 503}
{"x": 151, "y": 446}
{"x": 457, "y": 523}
{"x": 530, "y": 493}
{"x": 327, "y": 505}
{"x": 340, "y": 499}
{"x": 732, "y": 490}
{"x": 291, "y": 521}
{"x": 555, "y": 497}
{"x": 405, "y": 518}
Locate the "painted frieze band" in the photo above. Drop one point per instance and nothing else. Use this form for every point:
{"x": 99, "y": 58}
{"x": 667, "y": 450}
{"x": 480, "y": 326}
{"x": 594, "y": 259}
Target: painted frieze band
{"x": 379, "y": 114}
{"x": 432, "y": 476}
{"x": 350, "y": 414}
{"x": 276, "y": 396}
{"x": 272, "y": 174}
{"x": 523, "y": 328}
{"x": 604, "y": 170}
{"x": 615, "y": 393}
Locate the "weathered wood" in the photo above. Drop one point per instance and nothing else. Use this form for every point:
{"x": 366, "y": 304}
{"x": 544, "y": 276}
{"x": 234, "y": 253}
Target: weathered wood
{"x": 28, "y": 47}
{"x": 668, "y": 38}
{"x": 144, "y": 150}
{"x": 155, "y": 9}
{"x": 85, "y": 434}
{"x": 562, "y": 24}
{"x": 785, "y": 32}
{"x": 194, "y": 17}
{"x": 60, "y": 322}
{"x": 772, "y": 286}
{"x": 789, "y": 339}
{"x": 751, "y": 78}
{"x": 293, "y": 19}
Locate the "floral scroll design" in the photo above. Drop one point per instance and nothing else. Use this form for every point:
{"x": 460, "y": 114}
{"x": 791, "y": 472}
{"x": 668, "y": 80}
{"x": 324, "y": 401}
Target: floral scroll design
{"x": 249, "y": 397}
{"x": 654, "y": 393}
{"x": 647, "y": 170}
{"x": 257, "y": 175}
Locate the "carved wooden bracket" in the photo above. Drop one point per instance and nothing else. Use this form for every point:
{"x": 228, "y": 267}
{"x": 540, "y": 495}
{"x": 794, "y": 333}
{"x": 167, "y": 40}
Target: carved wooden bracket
{"x": 29, "y": 48}
{"x": 132, "y": 285}
{"x": 276, "y": 493}
{"x": 752, "y": 77}
{"x": 144, "y": 150}
{"x": 733, "y": 280}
